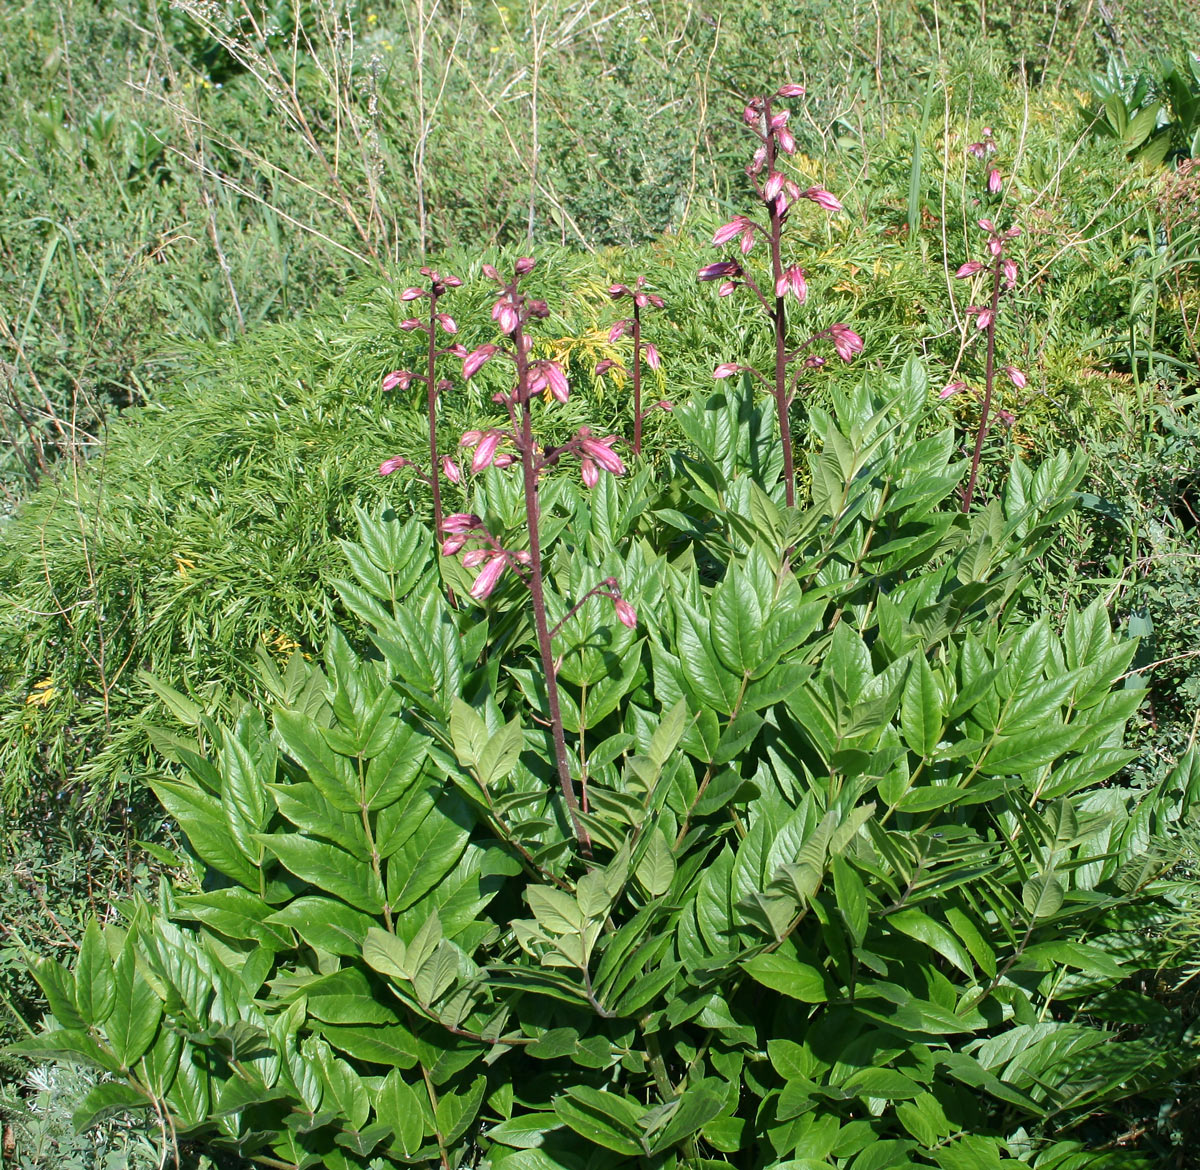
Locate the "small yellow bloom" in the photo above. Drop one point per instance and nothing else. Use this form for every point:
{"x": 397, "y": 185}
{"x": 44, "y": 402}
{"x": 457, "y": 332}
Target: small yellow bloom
{"x": 43, "y": 694}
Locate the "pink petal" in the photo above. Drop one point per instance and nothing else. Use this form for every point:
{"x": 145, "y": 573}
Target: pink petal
{"x": 652, "y": 358}
{"x": 461, "y": 522}
{"x": 393, "y": 464}
{"x": 726, "y": 370}
{"x": 411, "y": 294}
{"x": 626, "y": 614}
{"x": 485, "y": 451}
{"x": 995, "y": 182}
{"x": 524, "y": 265}
{"x": 451, "y": 470}
{"x": 791, "y": 89}
{"x": 970, "y": 268}
{"x": 476, "y": 358}
{"x": 488, "y": 577}
{"x": 617, "y": 332}
{"x": 589, "y": 472}
{"x": 557, "y": 381}
{"x": 1016, "y": 377}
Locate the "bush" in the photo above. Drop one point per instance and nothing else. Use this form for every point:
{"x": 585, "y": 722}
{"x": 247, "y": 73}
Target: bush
{"x": 860, "y": 893}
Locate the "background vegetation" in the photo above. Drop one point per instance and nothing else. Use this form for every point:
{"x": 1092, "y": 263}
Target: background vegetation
{"x": 204, "y": 213}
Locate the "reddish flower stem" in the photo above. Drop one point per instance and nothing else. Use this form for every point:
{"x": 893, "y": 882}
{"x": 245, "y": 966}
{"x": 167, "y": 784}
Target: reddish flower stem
{"x": 637, "y": 378}
{"x": 989, "y": 382}
{"x": 779, "y": 319}
{"x": 431, "y": 401}
{"x": 537, "y": 593}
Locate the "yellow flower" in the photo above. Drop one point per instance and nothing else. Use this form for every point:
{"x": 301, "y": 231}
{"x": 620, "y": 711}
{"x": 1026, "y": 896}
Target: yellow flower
{"x": 43, "y": 694}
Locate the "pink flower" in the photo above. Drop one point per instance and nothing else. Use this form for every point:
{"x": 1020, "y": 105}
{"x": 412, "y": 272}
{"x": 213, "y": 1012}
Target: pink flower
{"x": 476, "y": 556}
{"x": 411, "y": 324}
{"x": 505, "y": 315}
{"x": 726, "y": 287}
{"x": 1006, "y": 417}
{"x": 589, "y": 472}
{"x": 503, "y": 459}
{"x": 606, "y": 364}
{"x": 488, "y": 577}
{"x": 652, "y": 358}
{"x": 458, "y": 523}
{"x": 397, "y": 380}
{"x": 485, "y": 451}
{"x": 987, "y": 225}
{"x": 970, "y": 268}
{"x": 750, "y": 114}
{"x": 657, "y": 301}
{"x": 557, "y": 381}
{"x": 470, "y": 438}
{"x": 995, "y": 182}
{"x": 976, "y": 149}
{"x": 773, "y": 185}
{"x": 617, "y": 331}
{"x": 1009, "y": 268}
{"x": 814, "y": 361}
{"x": 792, "y": 279}
{"x": 727, "y": 231}
{"x": 787, "y": 143}
{"x": 822, "y": 198}
{"x": 718, "y": 270}
{"x": 491, "y": 273}
{"x": 726, "y": 370}
{"x": 475, "y": 359}
{"x": 953, "y": 388}
{"x": 524, "y": 265}
{"x": 983, "y": 317}
{"x": 451, "y": 281}
{"x": 447, "y": 322}
{"x": 779, "y": 119}
{"x": 601, "y": 451}
{"x": 393, "y": 464}
{"x": 995, "y": 247}
{"x": 626, "y": 614}
{"x": 451, "y": 470}
{"x": 616, "y": 291}
{"x": 791, "y": 89}
{"x": 845, "y": 341}
{"x": 452, "y": 544}
{"x": 411, "y": 294}
{"x": 1015, "y": 376}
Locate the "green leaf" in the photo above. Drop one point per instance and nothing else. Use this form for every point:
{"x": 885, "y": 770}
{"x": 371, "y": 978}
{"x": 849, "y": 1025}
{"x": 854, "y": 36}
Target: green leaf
{"x": 330, "y": 869}
{"x": 526, "y": 1131}
{"x": 1042, "y": 896}
{"x": 921, "y": 927}
{"x": 58, "y": 986}
{"x": 95, "y": 991}
{"x": 605, "y": 1119}
{"x": 698, "y": 1106}
{"x": 656, "y": 869}
{"x": 921, "y": 718}
{"x": 326, "y": 924}
{"x": 783, "y": 973}
{"x": 136, "y": 1010}
{"x": 109, "y": 1099}
{"x": 70, "y": 1045}
{"x": 399, "y": 1106}
{"x": 333, "y": 774}
{"x": 456, "y": 1111}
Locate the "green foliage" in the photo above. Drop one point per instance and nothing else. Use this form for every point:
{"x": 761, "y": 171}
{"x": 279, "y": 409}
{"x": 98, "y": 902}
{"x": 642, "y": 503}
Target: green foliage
{"x": 863, "y": 893}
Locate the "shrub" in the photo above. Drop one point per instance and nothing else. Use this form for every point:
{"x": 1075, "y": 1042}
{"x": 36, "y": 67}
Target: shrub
{"x": 860, "y": 893}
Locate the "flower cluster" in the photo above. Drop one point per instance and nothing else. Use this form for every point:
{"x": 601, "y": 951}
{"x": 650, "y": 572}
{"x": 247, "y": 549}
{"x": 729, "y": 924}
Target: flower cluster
{"x": 648, "y": 353}
{"x": 1003, "y": 271}
{"x": 437, "y": 321}
{"x": 779, "y": 195}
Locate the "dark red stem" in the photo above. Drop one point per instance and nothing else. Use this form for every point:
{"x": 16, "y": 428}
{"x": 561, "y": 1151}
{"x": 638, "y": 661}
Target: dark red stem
{"x": 537, "y": 593}
{"x": 431, "y": 400}
{"x": 637, "y": 378}
{"x": 779, "y": 318}
{"x": 989, "y": 382}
